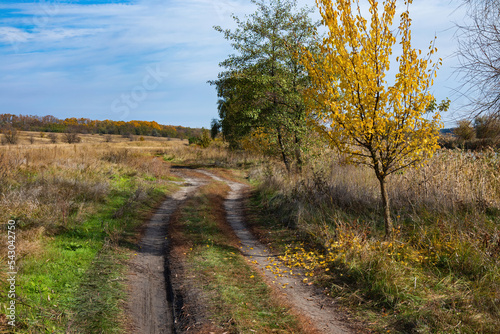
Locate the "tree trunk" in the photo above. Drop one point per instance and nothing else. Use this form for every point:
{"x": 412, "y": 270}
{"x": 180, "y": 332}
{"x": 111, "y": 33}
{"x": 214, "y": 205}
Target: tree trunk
{"x": 283, "y": 153}
{"x": 298, "y": 154}
{"x": 386, "y": 207}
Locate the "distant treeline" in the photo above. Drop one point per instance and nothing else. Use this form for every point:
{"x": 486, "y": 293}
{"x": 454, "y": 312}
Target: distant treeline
{"x": 85, "y": 125}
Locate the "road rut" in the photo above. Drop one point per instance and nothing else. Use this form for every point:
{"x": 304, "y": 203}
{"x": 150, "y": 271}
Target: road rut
{"x": 150, "y": 301}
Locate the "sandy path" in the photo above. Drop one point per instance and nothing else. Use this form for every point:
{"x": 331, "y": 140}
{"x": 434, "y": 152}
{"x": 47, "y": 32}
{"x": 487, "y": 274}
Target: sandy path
{"x": 305, "y": 299}
{"x": 150, "y": 303}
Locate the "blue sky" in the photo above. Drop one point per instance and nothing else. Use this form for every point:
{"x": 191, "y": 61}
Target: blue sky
{"x": 148, "y": 59}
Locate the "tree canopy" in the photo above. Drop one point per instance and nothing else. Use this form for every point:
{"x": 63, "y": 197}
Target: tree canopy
{"x": 479, "y": 55}
{"x": 260, "y": 88}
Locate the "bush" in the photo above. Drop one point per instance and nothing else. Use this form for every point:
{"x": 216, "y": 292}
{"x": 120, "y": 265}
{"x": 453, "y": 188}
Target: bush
{"x": 53, "y": 138}
{"x": 194, "y": 140}
{"x": 205, "y": 139}
{"x": 487, "y": 127}
{"x": 10, "y": 135}
{"x": 72, "y": 138}
{"x": 465, "y": 130}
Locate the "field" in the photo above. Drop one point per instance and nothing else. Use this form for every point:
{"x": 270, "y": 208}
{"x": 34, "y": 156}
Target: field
{"x": 79, "y": 210}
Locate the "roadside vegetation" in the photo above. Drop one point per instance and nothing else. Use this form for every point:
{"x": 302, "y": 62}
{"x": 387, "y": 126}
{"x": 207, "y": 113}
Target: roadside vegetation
{"x": 77, "y": 210}
{"x": 440, "y": 270}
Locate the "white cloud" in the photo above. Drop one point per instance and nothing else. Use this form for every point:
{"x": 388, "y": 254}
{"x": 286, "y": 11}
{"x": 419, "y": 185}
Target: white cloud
{"x": 79, "y": 58}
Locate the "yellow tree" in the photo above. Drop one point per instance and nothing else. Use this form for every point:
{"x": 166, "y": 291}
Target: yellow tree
{"x": 385, "y": 124}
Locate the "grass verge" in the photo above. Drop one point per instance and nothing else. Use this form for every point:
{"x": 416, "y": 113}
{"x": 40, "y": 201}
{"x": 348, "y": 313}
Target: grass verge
{"x": 77, "y": 221}
{"x": 439, "y": 273}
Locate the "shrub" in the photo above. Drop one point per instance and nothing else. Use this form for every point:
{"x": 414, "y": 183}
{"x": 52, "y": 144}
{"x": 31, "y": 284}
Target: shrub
{"x": 72, "y": 138}
{"x": 11, "y": 135}
{"x": 465, "y": 130}
{"x": 194, "y": 140}
{"x": 53, "y": 138}
{"x": 205, "y": 139}
{"x": 487, "y": 127}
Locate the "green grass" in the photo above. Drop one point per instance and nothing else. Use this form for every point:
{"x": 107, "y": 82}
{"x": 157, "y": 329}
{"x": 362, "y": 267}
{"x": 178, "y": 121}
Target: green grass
{"x": 76, "y": 282}
{"x": 239, "y": 300}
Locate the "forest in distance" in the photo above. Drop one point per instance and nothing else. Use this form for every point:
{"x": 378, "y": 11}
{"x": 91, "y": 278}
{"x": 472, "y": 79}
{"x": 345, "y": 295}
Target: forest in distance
{"x": 84, "y": 125}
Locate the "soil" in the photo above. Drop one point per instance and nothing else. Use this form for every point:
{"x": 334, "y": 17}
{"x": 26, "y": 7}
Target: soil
{"x": 150, "y": 300}
{"x": 161, "y": 298}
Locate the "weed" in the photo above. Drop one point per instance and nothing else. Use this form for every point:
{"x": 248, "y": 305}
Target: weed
{"x": 432, "y": 276}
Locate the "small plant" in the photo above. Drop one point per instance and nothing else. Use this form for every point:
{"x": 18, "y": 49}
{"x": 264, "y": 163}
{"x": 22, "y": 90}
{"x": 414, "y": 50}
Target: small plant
{"x": 11, "y": 135}
{"x": 108, "y": 139}
{"x": 42, "y": 134}
{"x": 72, "y": 138}
{"x": 31, "y": 139}
{"x": 52, "y": 137}
{"x": 141, "y": 138}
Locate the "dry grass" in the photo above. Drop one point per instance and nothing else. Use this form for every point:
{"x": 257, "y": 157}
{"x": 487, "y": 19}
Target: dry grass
{"x": 440, "y": 273}
{"x": 33, "y": 138}
{"x": 54, "y": 190}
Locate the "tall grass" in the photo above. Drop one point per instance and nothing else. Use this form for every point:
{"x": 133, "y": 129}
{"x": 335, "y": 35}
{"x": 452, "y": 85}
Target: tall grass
{"x": 75, "y": 206}
{"x": 441, "y": 271}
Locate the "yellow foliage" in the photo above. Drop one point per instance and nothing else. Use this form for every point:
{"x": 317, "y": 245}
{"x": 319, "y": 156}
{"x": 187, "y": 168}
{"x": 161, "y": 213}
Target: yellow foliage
{"x": 259, "y": 140}
{"x": 378, "y": 122}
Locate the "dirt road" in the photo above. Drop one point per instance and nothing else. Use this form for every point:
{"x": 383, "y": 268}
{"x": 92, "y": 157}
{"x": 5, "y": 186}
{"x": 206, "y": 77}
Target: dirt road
{"x": 307, "y": 300}
{"x": 150, "y": 302}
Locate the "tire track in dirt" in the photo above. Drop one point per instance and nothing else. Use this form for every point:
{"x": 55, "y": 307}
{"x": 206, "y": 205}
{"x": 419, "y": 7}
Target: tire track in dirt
{"x": 150, "y": 305}
{"x": 308, "y": 300}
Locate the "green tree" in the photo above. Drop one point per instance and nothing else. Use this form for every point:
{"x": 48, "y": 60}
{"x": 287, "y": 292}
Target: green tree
{"x": 260, "y": 89}
{"x": 215, "y": 127}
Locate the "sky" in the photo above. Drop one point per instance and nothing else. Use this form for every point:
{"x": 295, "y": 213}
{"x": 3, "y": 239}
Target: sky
{"x": 151, "y": 59}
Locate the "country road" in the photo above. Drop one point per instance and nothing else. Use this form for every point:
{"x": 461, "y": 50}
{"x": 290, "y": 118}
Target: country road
{"x": 151, "y": 300}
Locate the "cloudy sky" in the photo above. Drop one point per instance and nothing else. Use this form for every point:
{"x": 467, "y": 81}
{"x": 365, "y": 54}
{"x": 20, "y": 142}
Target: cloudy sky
{"x": 148, "y": 59}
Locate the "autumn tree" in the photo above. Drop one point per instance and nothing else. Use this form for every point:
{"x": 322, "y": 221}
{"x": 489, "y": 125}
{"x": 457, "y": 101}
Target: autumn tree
{"x": 377, "y": 122}
{"x": 465, "y": 130}
{"x": 260, "y": 89}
